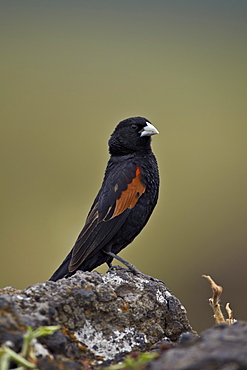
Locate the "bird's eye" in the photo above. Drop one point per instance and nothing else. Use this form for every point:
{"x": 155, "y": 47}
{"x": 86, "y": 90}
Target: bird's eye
{"x": 134, "y": 127}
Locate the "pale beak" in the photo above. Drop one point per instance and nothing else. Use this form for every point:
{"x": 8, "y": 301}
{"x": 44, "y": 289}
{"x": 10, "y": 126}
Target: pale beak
{"x": 149, "y": 130}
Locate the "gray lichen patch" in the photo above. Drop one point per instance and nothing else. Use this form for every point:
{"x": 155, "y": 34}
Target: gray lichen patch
{"x": 160, "y": 297}
{"x": 119, "y": 342}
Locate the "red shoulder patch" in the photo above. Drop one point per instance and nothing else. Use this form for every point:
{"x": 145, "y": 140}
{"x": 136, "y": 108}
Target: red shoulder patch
{"x": 130, "y": 196}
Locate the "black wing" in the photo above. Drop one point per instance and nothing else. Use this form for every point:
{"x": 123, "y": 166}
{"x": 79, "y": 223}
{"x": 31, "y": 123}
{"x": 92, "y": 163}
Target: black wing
{"x": 118, "y": 195}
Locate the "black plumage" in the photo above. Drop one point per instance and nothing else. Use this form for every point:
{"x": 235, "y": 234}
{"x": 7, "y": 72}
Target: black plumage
{"x": 125, "y": 201}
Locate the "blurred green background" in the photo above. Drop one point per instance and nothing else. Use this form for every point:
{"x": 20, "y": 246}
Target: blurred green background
{"x": 70, "y": 71}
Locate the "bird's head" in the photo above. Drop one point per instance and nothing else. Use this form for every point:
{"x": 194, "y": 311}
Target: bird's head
{"x": 131, "y": 135}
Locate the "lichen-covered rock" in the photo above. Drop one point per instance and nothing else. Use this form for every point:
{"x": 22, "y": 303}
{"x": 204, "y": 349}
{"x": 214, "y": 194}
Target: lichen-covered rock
{"x": 102, "y": 317}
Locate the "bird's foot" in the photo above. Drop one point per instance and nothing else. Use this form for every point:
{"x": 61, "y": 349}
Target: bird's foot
{"x": 115, "y": 267}
{"x": 131, "y": 267}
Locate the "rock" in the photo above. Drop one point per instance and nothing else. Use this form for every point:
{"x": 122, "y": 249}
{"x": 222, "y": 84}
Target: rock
{"x": 222, "y": 347}
{"x": 102, "y": 317}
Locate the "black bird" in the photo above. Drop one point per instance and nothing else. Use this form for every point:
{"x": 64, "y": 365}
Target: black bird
{"x": 125, "y": 201}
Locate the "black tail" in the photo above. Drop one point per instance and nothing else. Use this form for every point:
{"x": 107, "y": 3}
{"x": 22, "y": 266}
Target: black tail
{"x": 62, "y": 270}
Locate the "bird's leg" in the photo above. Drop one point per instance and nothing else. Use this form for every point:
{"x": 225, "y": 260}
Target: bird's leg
{"x": 130, "y": 266}
{"x": 109, "y": 265}
{"x": 109, "y": 262}
{"x": 116, "y": 267}
{"x": 124, "y": 262}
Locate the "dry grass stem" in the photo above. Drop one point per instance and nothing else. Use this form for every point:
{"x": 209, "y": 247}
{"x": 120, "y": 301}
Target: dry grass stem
{"x": 215, "y": 300}
{"x": 215, "y": 303}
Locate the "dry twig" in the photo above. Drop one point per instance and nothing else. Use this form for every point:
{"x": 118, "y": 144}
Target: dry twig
{"x": 215, "y": 303}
